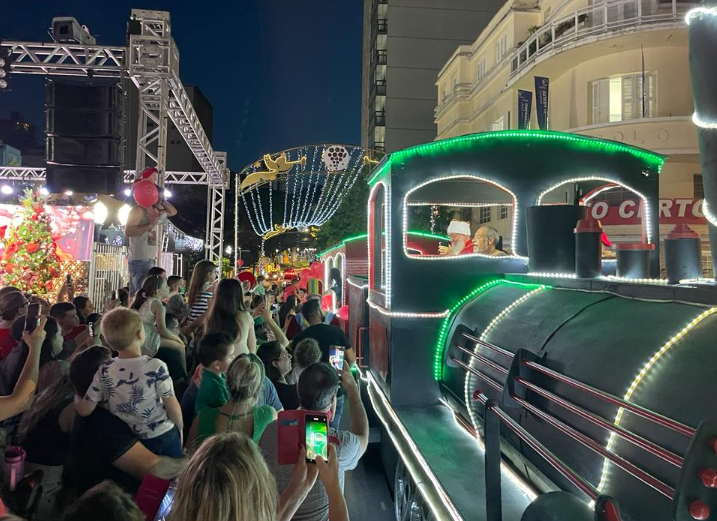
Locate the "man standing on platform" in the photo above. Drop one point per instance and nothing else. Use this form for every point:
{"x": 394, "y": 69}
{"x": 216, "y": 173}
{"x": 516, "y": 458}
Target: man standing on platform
{"x": 141, "y": 233}
{"x": 460, "y": 235}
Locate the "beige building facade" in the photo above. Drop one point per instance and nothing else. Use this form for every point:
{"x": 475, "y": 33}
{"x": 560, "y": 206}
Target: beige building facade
{"x": 596, "y": 55}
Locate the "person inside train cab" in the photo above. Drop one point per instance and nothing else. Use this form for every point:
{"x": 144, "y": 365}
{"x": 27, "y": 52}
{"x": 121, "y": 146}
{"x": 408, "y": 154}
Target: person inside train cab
{"x": 460, "y": 234}
{"x": 485, "y": 241}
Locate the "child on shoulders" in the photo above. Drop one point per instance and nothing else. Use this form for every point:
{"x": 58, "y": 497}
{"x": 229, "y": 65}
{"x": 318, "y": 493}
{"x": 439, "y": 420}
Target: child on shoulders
{"x": 135, "y": 388}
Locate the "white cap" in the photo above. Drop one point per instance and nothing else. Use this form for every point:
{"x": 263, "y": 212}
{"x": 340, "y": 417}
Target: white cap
{"x": 461, "y": 227}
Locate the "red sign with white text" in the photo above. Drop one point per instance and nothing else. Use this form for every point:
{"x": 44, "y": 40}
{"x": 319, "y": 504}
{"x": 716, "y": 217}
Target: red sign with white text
{"x": 629, "y": 211}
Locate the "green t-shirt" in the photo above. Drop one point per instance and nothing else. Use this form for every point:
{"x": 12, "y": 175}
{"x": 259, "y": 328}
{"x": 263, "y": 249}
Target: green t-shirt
{"x": 259, "y": 290}
{"x": 213, "y": 392}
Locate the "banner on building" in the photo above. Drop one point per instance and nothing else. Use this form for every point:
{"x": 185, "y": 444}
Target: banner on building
{"x": 541, "y": 101}
{"x": 525, "y": 102}
{"x": 629, "y": 212}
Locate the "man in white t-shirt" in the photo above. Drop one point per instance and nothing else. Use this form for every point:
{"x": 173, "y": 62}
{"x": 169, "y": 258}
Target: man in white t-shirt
{"x": 318, "y": 386}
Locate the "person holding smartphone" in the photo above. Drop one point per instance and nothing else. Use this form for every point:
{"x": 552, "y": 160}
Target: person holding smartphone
{"x": 318, "y": 388}
{"x": 27, "y": 382}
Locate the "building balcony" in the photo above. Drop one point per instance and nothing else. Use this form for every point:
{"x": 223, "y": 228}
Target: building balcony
{"x": 596, "y": 21}
{"x": 382, "y": 26}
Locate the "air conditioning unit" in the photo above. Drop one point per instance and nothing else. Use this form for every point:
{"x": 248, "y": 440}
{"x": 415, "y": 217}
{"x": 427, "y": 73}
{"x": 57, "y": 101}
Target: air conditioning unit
{"x": 66, "y": 29}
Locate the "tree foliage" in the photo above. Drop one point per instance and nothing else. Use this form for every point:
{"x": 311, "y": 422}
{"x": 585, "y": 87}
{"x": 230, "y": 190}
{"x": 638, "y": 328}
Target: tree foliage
{"x": 349, "y": 219}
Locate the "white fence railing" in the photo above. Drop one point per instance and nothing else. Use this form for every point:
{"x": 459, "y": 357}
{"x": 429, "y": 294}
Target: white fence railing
{"x": 595, "y": 20}
{"x": 108, "y": 273}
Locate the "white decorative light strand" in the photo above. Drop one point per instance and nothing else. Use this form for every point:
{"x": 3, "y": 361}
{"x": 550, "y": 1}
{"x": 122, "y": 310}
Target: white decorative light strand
{"x": 514, "y": 230}
{"x": 701, "y": 12}
{"x": 555, "y": 275}
{"x": 647, "y": 216}
{"x": 513, "y": 477}
{"x": 468, "y": 394}
{"x": 592, "y": 195}
{"x": 414, "y": 453}
{"x": 361, "y": 287}
{"x": 703, "y": 123}
{"x": 615, "y": 278}
{"x": 466, "y": 205}
{"x": 407, "y": 314}
{"x": 640, "y": 376}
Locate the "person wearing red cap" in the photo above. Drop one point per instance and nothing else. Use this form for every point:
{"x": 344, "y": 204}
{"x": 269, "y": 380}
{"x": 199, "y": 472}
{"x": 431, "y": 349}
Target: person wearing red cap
{"x": 141, "y": 233}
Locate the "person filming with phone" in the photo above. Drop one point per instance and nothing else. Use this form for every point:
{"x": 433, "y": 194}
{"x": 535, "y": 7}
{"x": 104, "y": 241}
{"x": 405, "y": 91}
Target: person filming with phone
{"x": 318, "y": 388}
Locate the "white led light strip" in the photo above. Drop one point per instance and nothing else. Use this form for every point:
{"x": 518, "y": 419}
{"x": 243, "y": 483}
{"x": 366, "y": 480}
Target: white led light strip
{"x": 708, "y": 213}
{"x": 597, "y": 192}
{"x": 701, "y": 12}
{"x": 387, "y": 236}
{"x": 406, "y": 314}
{"x": 514, "y": 230}
{"x": 697, "y": 120}
{"x": 500, "y": 316}
{"x": 555, "y": 275}
{"x": 414, "y": 455}
{"x": 647, "y": 216}
{"x": 640, "y": 376}
{"x": 361, "y": 287}
{"x": 466, "y": 205}
{"x": 635, "y": 281}
{"x": 515, "y": 478}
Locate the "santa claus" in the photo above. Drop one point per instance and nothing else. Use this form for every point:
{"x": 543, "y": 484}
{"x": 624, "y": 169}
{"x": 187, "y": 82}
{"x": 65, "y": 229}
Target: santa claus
{"x": 460, "y": 235}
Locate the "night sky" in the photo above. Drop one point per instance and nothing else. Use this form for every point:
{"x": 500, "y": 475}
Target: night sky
{"x": 279, "y": 73}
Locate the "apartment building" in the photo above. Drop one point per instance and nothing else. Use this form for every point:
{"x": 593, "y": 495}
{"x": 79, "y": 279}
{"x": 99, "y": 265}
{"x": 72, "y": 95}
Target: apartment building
{"x": 617, "y": 70}
{"x": 405, "y": 44}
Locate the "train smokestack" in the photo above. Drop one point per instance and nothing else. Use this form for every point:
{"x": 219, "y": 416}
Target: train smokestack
{"x": 702, "y": 23}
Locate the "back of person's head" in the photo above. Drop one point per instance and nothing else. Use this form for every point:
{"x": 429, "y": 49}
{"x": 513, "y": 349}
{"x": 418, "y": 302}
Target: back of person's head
{"x": 260, "y": 279}
{"x": 256, "y": 301}
{"x": 84, "y": 366}
{"x": 311, "y": 309}
{"x": 9, "y": 289}
{"x": 174, "y": 281}
{"x": 105, "y": 501}
{"x": 156, "y": 270}
{"x": 318, "y": 385}
{"x": 290, "y": 303}
{"x": 59, "y": 310}
{"x": 200, "y": 276}
{"x": 213, "y": 346}
{"x": 120, "y": 328}
{"x": 51, "y": 329}
{"x": 226, "y": 480}
{"x": 80, "y": 302}
{"x": 307, "y": 352}
{"x": 11, "y": 304}
{"x": 150, "y": 288}
{"x": 123, "y": 296}
{"x": 295, "y": 282}
{"x": 227, "y": 302}
{"x": 245, "y": 378}
{"x": 94, "y": 318}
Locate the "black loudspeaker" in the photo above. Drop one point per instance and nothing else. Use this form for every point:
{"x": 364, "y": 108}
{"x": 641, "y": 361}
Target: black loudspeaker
{"x": 85, "y": 129}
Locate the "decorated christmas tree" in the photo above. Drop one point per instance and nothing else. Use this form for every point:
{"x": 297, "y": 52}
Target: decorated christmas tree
{"x": 30, "y": 260}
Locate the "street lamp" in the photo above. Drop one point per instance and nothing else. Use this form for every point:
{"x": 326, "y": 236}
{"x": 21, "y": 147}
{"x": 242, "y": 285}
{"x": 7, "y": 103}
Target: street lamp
{"x": 100, "y": 212}
{"x": 229, "y": 250}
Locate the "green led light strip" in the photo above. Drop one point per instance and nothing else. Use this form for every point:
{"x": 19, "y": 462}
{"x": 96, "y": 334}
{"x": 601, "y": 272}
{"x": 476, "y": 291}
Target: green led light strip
{"x": 363, "y": 236}
{"x": 596, "y": 144}
{"x": 445, "y": 325}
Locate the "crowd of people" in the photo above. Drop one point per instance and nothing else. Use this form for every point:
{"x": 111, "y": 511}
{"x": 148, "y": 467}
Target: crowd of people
{"x": 183, "y": 382}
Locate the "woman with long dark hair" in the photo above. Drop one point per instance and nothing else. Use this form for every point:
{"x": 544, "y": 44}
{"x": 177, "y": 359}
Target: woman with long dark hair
{"x": 287, "y": 312}
{"x": 229, "y": 314}
{"x": 12, "y": 305}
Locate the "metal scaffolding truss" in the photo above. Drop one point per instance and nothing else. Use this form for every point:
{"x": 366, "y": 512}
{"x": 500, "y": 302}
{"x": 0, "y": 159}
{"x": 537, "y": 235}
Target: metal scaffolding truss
{"x": 152, "y": 63}
{"x": 22, "y": 173}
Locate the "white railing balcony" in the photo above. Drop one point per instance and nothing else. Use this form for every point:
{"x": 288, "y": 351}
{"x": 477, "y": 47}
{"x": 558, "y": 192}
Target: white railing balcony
{"x": 595, "y": 20}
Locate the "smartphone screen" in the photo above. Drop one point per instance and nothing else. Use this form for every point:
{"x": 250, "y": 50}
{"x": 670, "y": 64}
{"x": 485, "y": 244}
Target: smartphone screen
{"x": 32, "y": 319}
{"x": 317, "y": 437}
{"x": 336, "y": 357}
{"x": 91, "y": 331}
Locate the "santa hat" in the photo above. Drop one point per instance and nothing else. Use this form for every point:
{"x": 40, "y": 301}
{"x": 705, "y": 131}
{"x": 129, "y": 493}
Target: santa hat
{"x": 461, "y": 227}
{"x": 147, "y": 173}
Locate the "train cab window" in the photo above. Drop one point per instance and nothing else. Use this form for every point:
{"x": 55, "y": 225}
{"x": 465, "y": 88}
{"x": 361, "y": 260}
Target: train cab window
{"x": 377, "y": 239}
{"x": 621, "y": 211}
{"x": 463, "y": 215}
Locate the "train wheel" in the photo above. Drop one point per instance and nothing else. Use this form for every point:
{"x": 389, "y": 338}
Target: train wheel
{"x": 410, "y": 505}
